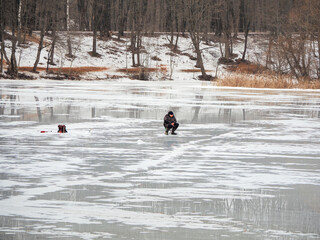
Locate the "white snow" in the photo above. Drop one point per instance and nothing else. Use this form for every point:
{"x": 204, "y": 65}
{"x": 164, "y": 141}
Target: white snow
{"x": 115, "y": 55}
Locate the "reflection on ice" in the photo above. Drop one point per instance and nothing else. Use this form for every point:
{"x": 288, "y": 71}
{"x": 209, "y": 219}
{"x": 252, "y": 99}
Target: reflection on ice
{"x": 245, "y": 163}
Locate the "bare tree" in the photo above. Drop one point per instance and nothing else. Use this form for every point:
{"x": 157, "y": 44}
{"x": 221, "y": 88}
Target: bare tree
{"x": 19, "y": 21}
{"x": 195, "y": 14}
{"x": 245, "y": 21}
{"x": 42, "y": 20}
{"x": 54, "y": 25}
{"x": 105, "y": 18}
{"x": 12, "y": 8}
{"x": 122, "y": 17}
{"x": 137, "y": 20}
{"x": 294, "y": 26}
{"x": 30, "y": 16}
{"x": 95, "y": 21}
{"x": 68, "y": 30}
{"x": 83, "y": 6}
{"x": 3, "y": 54}
{"x": 1, "y": 34}
{"x": 313, "y": 28}
{"x": 227, "y": 21}
{"x": 298, "y": 40}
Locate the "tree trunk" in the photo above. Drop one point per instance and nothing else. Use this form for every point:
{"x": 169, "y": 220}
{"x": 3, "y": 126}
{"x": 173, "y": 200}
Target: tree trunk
{"x": 203, "y": 71}
{"x": 54, "y": 39}
{"x": 176, "y": 44}
{"x": 68, "y": 29}
{"x": 196, "y": 43}
{"x": 121, "y": 28}
{"x": 227, "y": 52}
{"x": 105, "y": 20}
{"x": 1, "y": 63}
{"x": 54, "y": 35}
{"x": 32, "y": 19}
{"x": 121, "y": 21}
{"x": 138, "y": 48}
{"x": 318, "y": 71}
{"x": 83, "y": 14}
{"x": 246, "y": 34}
{"x": 19, "y": 23}
{"x": 133, "y": 46}
{"x": 1, "y": 34}
{"x": 269, "y": 52}
{"x": 40, "y": 46}
{"x": 171, "y": 38}
{"x": 42, "y": 32}
{"x": 227, "y": 22}
{"x": 3, "y": 50}
{"x": 12, "y": 68}
{"x": 12, "y": 12}
{"x": 94, "y": 27}
{"x": 94, "y": 41}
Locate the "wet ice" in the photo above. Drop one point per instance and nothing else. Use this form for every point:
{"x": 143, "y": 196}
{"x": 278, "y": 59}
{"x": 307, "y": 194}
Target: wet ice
{"x": 245, "y": 163}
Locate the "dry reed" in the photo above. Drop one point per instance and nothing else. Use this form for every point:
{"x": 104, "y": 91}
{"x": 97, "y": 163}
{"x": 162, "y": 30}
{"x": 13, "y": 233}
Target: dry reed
{"x": 244, "y": 67}
{"x": 267, "y": 81}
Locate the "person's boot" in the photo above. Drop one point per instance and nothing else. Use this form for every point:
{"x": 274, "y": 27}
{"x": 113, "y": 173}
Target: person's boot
{"x": 166, "y": 132}
{"x": 173, "y": 133}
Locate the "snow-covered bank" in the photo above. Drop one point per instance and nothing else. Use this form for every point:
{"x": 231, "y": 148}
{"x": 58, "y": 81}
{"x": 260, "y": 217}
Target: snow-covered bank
{"x": 116, "y": 55}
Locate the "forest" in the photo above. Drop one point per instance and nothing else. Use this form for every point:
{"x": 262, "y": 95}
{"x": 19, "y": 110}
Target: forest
{"x": 292, "y": 27}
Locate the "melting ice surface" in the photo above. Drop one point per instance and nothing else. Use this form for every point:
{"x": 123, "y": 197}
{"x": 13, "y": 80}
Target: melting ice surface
{"x": 245, "y": 163}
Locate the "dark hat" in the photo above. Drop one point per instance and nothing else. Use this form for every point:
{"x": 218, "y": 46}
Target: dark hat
{"x": 170, "y": 113}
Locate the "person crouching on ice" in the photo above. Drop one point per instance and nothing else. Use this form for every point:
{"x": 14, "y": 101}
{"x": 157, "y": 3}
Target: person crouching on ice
{"x": 170, "y": 122}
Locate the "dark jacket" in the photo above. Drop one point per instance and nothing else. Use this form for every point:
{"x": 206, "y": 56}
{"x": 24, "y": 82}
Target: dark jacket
{"x": 168, "y": 120}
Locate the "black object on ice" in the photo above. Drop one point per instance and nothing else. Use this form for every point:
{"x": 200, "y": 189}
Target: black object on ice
{"x": 62, "y": 129}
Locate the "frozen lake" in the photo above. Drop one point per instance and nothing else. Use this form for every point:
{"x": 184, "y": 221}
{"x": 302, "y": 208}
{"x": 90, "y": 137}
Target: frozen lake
{"x": 244, "y": 165}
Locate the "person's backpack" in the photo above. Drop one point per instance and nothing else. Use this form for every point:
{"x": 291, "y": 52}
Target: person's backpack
{"x": 62, "y": 129}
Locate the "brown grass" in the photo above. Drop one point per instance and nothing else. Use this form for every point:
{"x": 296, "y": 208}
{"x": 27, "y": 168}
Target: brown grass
{"x": 246, "y": 67}
{"x": 266, "y": 81}
{"x": 74, "y": 70}
{"x": 163, "y": 68}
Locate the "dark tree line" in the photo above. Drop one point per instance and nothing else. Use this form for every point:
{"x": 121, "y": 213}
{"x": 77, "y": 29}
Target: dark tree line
{"x": 199, "y": 19}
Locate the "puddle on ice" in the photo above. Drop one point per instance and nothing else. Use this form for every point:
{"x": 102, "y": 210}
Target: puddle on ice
{"x": 245, "y": 163}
